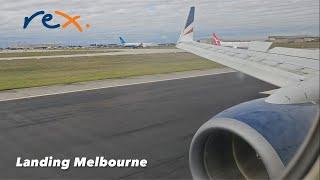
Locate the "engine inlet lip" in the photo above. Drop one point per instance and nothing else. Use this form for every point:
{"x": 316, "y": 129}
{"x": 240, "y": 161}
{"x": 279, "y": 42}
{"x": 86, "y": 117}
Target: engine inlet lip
{"x": 269, "y": 156}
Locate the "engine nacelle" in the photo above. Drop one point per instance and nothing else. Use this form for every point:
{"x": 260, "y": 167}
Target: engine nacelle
{"x": 253, "y": 140}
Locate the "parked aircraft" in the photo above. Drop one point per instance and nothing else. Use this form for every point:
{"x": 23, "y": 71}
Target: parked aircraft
{"x": 135, "y": 45}
{"x": 235, "y": 44}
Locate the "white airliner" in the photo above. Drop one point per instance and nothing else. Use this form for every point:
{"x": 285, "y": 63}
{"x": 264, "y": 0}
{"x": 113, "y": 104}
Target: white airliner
{"x": 235, "y": 44}
{"x": 263, "y": 138}
{"x": 135, "y": 45}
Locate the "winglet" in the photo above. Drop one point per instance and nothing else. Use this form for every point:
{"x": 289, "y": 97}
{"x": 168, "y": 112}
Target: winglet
{"x": 187, "y": 33}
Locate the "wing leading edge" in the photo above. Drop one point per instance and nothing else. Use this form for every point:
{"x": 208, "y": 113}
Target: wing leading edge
{"x": 296, "y": 75}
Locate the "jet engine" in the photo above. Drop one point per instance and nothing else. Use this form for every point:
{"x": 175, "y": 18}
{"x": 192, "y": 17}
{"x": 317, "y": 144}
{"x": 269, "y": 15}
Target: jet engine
{"x": 252, "y": 140}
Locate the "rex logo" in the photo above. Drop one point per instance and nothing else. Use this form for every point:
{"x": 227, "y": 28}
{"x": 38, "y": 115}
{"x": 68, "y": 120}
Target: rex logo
{"x": 47, "y": 17}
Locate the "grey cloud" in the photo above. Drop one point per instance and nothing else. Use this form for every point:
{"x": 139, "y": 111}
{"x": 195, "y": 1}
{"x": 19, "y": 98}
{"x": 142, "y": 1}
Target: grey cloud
{"x": 153, "y": 19}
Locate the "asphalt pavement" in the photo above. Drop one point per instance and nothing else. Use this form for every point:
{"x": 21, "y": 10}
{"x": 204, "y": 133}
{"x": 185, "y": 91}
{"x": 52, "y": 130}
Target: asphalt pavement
{"x": 153, "y": 121}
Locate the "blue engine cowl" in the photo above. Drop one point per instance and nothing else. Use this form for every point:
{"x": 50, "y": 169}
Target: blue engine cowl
{"x": 253, "y": 140}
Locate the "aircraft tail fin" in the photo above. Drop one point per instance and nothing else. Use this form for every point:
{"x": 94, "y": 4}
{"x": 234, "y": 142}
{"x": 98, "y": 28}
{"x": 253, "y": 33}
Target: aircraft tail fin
{"x": 187, "y": 33}
{"x": 216, "y": 40}
{"x": 122, "y": 41}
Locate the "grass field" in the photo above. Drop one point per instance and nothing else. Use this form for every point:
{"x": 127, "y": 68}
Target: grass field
{"x": 51, "y": 53}
{"x": 30, "y": 73}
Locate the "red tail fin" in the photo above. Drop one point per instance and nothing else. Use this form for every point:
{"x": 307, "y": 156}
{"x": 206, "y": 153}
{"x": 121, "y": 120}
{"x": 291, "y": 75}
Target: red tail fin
{"x": 215, "y": 40}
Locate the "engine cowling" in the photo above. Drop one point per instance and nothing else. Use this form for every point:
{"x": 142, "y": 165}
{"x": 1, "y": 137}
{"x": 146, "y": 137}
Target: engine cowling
{"x": 253, "y": 140}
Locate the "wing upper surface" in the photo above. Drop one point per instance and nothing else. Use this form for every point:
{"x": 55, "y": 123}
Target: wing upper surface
{"x": 275, "y": 68}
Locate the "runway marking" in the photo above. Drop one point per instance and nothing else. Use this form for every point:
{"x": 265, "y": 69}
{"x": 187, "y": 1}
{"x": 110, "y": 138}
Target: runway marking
{"x": 28, "y": 93}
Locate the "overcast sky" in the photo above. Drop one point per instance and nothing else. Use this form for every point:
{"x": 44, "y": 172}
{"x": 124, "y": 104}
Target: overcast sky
{"x": 157, "y": 20}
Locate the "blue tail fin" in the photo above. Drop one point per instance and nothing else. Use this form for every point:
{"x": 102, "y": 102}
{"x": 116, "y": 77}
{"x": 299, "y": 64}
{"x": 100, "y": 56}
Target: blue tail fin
{"x": 122, "y": 41}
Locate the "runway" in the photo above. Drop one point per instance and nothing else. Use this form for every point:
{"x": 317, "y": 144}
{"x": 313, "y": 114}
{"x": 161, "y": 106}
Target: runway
{"x": 119, "y": 52}
{"x": 154, "y": 121}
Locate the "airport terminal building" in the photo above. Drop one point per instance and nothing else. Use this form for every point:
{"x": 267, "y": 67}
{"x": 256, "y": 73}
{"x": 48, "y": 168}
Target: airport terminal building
{"x": 290, "y": 39}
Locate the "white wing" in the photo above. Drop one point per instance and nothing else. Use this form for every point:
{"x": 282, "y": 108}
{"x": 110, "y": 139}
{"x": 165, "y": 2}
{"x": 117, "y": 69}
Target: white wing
{"x": 278, "y": 69}
{"x": 295, "y": 71}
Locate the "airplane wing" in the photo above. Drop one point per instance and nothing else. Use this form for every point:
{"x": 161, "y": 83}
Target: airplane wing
{"x": 296, "y": 72}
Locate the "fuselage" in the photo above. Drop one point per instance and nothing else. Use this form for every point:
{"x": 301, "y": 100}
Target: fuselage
{"x": 133, "y": 45}
{"x": 243, "y": 45}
